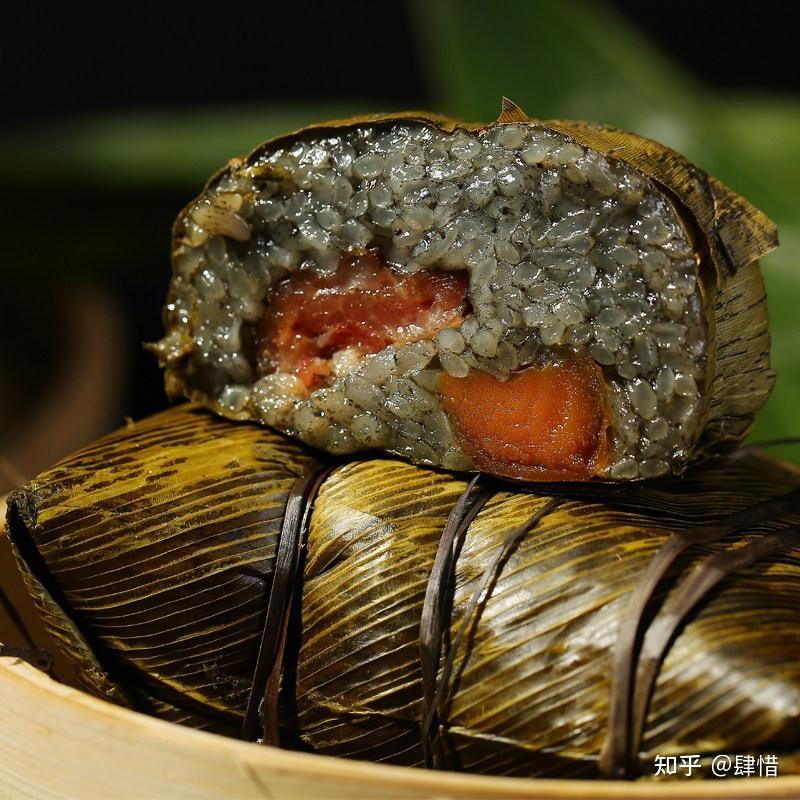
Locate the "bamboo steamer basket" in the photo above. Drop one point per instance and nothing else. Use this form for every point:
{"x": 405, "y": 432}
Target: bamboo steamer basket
{"x": 58, "y": 743}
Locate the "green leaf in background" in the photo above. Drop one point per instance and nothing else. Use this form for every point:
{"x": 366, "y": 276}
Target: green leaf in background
{"x": 152, "y": 149}
{"x": 556, "y": 58}
{"x": 577, "y": 59}
{"x": 116, "y": 182}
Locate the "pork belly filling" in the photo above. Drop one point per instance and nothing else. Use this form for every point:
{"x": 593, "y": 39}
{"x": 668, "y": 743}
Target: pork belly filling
{"x": 318, "y": 325}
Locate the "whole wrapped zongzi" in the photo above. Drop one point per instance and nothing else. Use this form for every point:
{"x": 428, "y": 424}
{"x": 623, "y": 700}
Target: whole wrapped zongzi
{"x": 222, "y": 576}
{"x": 539, "y": 300}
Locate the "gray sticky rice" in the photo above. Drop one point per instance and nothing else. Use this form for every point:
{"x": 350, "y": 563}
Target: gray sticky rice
{"x": 568, "y": 252}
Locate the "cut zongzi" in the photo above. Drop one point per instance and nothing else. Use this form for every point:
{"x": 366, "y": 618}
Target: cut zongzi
{"x": 538, "y": 300}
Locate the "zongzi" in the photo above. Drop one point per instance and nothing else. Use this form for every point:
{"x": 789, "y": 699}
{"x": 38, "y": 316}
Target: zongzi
{"x": 538, "y": 300}
{"x": 222, "y": 576}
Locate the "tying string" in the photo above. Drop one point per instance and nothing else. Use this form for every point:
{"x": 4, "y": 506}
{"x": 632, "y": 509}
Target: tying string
{"x": 437, "y": 606}
{"x": 262, "y": 712}
{"x": 632, "y": 679}
{"x": 440, "y": 687}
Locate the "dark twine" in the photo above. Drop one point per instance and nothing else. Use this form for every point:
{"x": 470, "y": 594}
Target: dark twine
{"x": 439, "y": 690}
{"x": 705, "y": 576}
{"x": 638, "y": 653}
{"x": 261, "y": 720}
{"x": 437, "y": 606}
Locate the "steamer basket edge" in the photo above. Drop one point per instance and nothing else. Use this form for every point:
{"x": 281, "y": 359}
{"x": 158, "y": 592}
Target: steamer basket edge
{"x": 58, "y": 742}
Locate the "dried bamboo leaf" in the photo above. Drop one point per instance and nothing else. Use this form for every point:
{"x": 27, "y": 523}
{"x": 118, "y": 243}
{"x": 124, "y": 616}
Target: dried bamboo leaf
{"x": 69, "y": 639}
{"x": 533, "y": 696}
{"x": 161, "y": 540}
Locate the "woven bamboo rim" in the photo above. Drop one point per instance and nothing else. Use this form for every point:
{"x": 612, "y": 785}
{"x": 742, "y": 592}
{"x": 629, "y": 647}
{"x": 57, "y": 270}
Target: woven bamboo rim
{"x": 57, "y": 742}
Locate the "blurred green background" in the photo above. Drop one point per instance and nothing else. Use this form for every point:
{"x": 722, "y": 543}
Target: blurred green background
{"x": 88, "y": 198}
